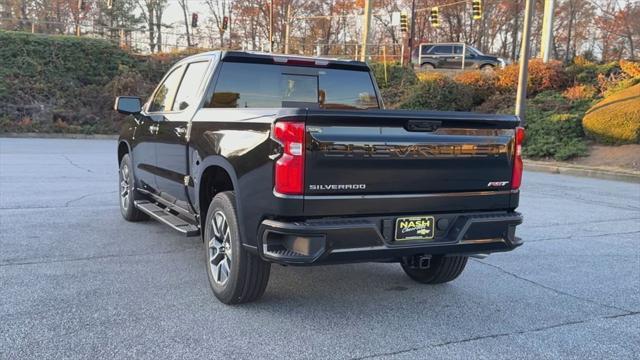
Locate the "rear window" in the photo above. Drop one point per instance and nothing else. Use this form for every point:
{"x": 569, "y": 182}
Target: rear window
{"x": 246, "y": 85}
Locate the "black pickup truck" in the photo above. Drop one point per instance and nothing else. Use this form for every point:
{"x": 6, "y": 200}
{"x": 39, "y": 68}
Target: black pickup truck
{"x": 292, "y": 160}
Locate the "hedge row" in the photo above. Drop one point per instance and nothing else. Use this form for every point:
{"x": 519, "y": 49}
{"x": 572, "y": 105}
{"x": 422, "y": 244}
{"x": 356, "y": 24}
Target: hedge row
{"x": 67, "y": 84}
{"x": 616, "y": 119}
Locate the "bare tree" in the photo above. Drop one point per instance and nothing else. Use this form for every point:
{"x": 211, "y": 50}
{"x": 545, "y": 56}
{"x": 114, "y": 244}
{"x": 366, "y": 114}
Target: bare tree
{"x": 219, "y": 9}
{"x": 185, "y": 9}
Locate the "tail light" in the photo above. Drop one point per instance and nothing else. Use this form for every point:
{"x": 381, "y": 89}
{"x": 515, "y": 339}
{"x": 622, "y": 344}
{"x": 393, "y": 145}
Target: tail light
{"x": 516, "y": 178}
{"x": 289, "y": 168}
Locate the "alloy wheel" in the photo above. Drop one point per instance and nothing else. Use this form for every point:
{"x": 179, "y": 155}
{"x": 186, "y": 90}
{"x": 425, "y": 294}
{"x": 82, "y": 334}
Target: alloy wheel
{"x": 125, "y": 188}
{"x": 220, "y": 249}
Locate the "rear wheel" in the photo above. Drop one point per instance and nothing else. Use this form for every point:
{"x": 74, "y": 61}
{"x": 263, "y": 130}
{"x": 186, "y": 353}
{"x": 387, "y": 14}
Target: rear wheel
{"x": 486, "y": 68}
{"x": 441, "y": 269}
{"x": 427, "y": 66}
{"x": 235, "y": 275}
{"x": 128, "y": 192}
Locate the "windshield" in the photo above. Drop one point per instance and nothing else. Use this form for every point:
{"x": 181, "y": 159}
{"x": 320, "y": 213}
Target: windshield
{"x": 473, "y": 49}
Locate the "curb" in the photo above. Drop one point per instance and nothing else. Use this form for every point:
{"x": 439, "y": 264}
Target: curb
{"x": 584, "y": 171}
{"x": 58, "y": 136}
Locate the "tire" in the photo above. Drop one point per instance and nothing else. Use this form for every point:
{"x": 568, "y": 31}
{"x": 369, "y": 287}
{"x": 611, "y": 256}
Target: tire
{"x": 486, "y": 67}
{"x": 427, "y": 66}
{"x": 235, "y": 275}
{"x": 442, "y": 269}
{"x": 128, "y": 192}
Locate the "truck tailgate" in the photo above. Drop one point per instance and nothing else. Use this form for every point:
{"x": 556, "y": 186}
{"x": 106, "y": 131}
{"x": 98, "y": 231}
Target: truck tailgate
{"x": 399, "y": 152}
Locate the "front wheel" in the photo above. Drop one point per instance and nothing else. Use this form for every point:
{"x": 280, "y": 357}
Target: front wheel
{"x": 128, "y": 192}
{"x": 487, "y": 68}
{"x": 235, "y": 275}
{"x": 441, "y": 269}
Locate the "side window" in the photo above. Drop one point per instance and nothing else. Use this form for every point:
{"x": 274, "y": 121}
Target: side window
{"x": 426, "y": 49}
{"x": 163, "y": 98}
{"x": 457, "y": 49}
{"x": 441, "y": 50}
{"x": 186, "y": 95}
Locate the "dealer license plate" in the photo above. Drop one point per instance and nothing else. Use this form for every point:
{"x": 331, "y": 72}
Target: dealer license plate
{"x": 415, "y": 228}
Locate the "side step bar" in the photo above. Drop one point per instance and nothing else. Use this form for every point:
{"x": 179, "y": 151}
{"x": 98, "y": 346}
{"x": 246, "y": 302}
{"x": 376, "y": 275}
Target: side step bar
{"x": 164, "y": 216}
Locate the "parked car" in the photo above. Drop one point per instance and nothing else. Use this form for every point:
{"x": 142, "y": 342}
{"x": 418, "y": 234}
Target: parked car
{"x": 429, "y": 56}
{"x": 293, "y": 160}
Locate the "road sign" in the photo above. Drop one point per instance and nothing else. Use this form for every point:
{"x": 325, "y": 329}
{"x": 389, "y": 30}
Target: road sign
{"x": 395, "y": 18}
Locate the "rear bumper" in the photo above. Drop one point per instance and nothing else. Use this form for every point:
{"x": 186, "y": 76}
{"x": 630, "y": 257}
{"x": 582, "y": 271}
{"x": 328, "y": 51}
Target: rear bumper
{"x": 358, "y": 239}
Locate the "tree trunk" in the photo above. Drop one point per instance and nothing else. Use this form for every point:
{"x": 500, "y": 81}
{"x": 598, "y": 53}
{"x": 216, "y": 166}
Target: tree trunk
{"x": 514, "y": 33}
{"x": 150, "y": 23}
{"x": 569, "y": 31}
{"x": 159, "y": 11}
{"x": 183, "y": 4}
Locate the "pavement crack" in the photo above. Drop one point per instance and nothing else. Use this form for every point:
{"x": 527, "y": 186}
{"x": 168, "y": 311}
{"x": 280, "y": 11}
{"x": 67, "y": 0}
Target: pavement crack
{"x": 582, "y": 223}
{"x": 76, "y": 165}
{"x": 97, "y": 257}
{"x": 496, "y": 336}
{"x": 56, "y": 207}
{"x": 559, "y": 292}
{"x": 86, "y": 196}
{"x": 577, "y": 198}
{"x": 570, "y": 237}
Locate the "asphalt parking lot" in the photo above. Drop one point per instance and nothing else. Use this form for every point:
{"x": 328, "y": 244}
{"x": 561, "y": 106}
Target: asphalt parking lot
{"x": 77, "y": 281}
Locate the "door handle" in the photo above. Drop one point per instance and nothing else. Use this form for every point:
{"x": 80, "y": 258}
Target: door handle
{"x": 153, "y": 129}
{"x": 180, "y": 131}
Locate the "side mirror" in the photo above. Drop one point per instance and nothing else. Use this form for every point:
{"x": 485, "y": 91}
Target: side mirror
{"x": 128, "y": 105}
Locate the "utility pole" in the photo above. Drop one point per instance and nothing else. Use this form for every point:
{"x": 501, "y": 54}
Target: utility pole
{"x": 411, "y": 31}
{"x": 525, "y": 48}
{"x": 365, "y": 29}
{"x": 80, "y": 9}
{"x": 547, "y": 30}
{"x": 286, "y": 29}
{"x": 271, "y": 27}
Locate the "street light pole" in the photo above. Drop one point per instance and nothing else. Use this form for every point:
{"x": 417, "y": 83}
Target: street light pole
{"x": 525, "y": 48}
{"x": 547, "y": 30}
{"x": 365, "y": 29}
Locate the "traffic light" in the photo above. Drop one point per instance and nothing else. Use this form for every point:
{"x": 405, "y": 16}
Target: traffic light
{"x": 225, "y": 23}
{"x": 435, "y": 17}
{"x": 404, "y": 22}
{"x": 194, "y": 20}
{"x": 476, "y": 9}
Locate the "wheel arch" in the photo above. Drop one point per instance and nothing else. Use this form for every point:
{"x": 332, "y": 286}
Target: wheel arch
{"x": 428, "y": 62}
{"x": 216, "y": 174}
{"x": 123, "y": 148}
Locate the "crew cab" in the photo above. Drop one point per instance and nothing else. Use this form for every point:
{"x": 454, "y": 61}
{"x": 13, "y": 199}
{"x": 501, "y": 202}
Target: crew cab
{"x": 460, "y": 56}
{"x": 294, "y": 161}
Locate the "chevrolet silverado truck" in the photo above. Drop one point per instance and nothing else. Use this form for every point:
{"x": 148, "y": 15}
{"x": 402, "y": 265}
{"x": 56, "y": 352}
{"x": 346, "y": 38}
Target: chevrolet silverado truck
{"x": 294, "y": 161}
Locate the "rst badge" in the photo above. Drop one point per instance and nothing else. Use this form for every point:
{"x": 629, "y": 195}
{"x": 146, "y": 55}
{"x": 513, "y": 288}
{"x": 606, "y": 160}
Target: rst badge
{"x": 497, "y": 183}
